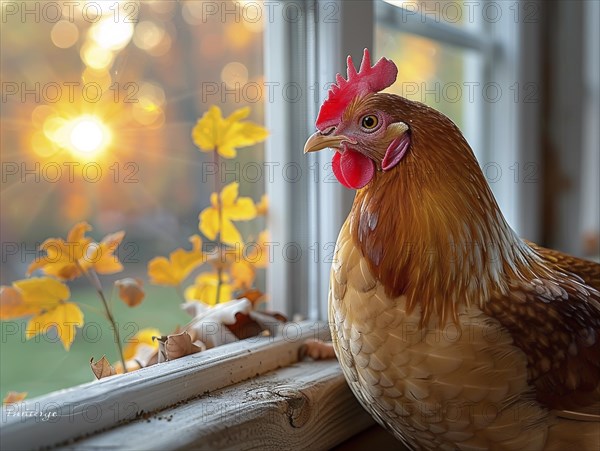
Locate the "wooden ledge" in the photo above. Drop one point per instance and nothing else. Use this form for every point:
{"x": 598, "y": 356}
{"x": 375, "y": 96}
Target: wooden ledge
{"x": 245, "y": 395}
{"x": 304, "y": 406}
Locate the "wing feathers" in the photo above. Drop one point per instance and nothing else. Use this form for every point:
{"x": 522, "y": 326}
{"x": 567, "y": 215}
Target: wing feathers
{"x": 557, "y": 325}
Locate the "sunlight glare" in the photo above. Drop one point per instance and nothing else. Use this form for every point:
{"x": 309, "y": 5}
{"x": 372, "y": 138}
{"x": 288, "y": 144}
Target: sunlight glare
{"x": 88, "y": 136}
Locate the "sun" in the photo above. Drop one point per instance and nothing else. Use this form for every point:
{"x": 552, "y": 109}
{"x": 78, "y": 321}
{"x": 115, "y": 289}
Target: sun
{"x": 87, "y": 136}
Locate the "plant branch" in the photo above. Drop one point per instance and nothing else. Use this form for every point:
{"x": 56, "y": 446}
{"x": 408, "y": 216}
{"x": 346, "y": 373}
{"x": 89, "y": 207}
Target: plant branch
{"x": 220, "y": 209}
{"x": 93, "y": 279}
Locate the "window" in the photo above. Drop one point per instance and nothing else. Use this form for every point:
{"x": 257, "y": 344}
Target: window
{"x": 99, "y": 102}
{"x": 147, "y": 70}
{"x": 441, "y": 53}
{"x": 466, "y": 60}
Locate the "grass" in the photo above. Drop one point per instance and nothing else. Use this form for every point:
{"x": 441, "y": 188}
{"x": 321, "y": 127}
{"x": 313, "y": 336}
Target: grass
{"x": 41, "y": 365}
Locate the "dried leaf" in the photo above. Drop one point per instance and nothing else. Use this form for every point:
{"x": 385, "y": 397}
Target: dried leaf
{"x": 130, "y": 291}
{"x": 254, "y": 295}
{"x": 102, "y": 368}
{"x": 316, "y": 350}
{"x": 209, "y": 322}
{"x": 142, "y": 349}
{"x": 14, "y": 397}
{"x": 269, "y": 321}
{"x": 256, "y": 323}
{"x": 180, "y": 345}
{"x": 231, "y": 321}
{"x": 244, "y": 326}
{"x": 222, "y": 313}
{"x": 162, "y": 350}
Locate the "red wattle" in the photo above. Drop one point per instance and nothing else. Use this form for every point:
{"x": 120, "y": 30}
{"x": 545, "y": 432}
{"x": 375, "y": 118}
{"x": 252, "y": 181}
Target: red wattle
{"x": 352, "y": 168}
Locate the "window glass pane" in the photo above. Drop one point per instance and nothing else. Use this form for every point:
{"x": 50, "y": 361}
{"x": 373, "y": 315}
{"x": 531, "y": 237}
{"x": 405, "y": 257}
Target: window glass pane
{"x": 444, "y": 77}
{"x": 463, "y": 14}
{"x": 99, "y": 103}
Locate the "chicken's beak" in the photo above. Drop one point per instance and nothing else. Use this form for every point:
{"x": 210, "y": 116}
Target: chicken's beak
{"x": 318, "y": 141}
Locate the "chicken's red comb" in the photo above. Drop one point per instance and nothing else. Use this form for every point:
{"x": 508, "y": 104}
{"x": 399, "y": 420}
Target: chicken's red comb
{"x": 368, "y": 80}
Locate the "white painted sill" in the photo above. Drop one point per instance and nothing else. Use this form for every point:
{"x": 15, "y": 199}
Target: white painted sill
{"x": 253, "y": 394}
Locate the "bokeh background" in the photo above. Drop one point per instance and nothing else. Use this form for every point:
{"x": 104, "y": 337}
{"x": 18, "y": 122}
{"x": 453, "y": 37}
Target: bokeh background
{"x": 112, "y": 146}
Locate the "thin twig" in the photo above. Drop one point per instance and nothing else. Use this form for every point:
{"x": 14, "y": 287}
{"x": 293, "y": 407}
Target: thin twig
{"x": 96, "y": 284}
{"x": 219, "y": 276}
{"x": 220, "y": 209}
{"x": 115, "y": 329}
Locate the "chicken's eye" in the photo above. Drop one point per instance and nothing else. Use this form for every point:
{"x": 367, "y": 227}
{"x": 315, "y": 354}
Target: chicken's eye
{"x": 369, "y": 122}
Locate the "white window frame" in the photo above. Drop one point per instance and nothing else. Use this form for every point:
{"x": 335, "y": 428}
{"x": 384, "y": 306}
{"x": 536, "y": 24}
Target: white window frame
{"x": 310, "y": 52}
{"x": 308, "y": 213}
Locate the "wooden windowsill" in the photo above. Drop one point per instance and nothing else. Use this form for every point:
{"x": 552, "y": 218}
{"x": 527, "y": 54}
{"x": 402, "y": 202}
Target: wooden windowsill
{"x": 250, "y": 394}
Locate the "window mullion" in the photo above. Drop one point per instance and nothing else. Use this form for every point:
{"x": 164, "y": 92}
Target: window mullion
{"x": 308, "y": 212}
{"x": 285, "y": 74}
{"x": 343, "y": 28}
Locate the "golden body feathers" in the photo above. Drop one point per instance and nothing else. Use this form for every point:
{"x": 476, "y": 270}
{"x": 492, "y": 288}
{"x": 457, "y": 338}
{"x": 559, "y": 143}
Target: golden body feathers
{"x": 452, "y": 385}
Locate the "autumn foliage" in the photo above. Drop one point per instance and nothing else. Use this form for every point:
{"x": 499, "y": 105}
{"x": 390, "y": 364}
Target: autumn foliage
{"x": 201, "y": 277}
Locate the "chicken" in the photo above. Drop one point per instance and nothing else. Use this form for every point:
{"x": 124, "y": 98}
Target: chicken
{"x": 451, "y": 331}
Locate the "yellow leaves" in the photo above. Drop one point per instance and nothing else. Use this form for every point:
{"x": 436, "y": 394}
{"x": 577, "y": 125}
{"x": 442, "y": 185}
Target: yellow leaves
{"x": 14, "y": 397}
{"x": 180, "y": 264}
{"x": 130, "y": 291}
{"x": 45, "y": 300}
{"x": 205, "y": 289}
{"x": 64, "y": 317}
{"x": 42, "y": 292}
{"x": 100, "y": 256}
{"x": 254, "y": 255}
{"x": 12, "y": 305}
{"x": 43, "y": 297}
{"x": 258, "y": 253}
{"x": 142, "y": 339}
{"x": 67, "y": 259}
{"x": 243, "y": 274}
{"x": 225, "y": 208}
{"x": 225, "y": 135}
{"x": 262, "y": 208}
